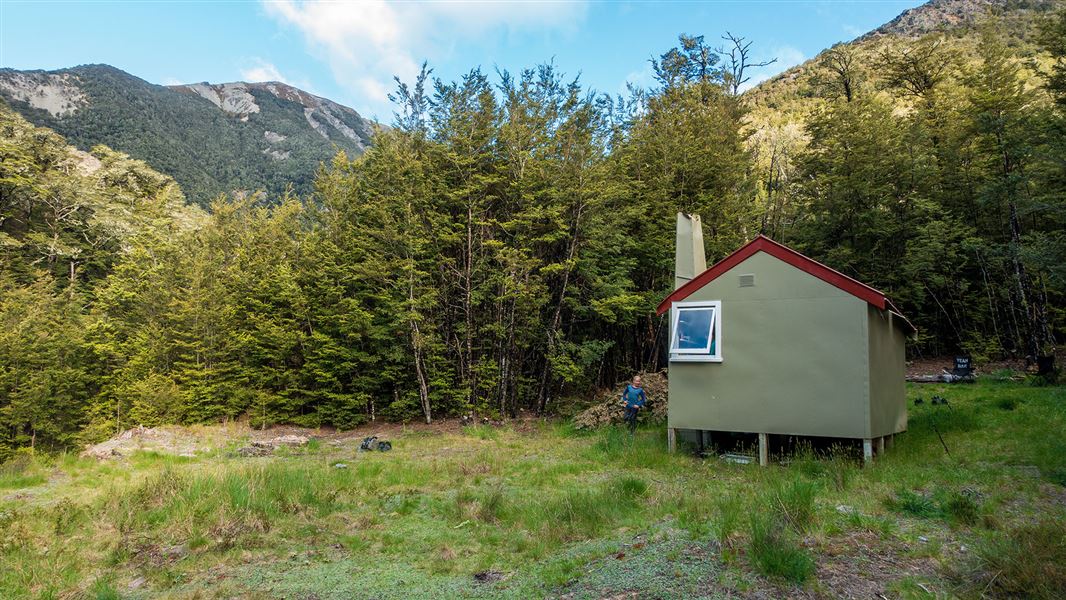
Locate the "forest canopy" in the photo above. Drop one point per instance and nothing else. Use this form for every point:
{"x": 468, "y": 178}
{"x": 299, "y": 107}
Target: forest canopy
{"x": 503, "y": 246}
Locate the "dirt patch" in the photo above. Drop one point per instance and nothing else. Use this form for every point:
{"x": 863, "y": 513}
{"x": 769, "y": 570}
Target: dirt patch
{"x": 861, "y": 565}
{"x": 267, "y": 447}
{"x": 176, "y": 440}
{"x": 854, "y": 565}
{"x": 932, "y": 366}
{"x": 607, "y": 408}
{"x": 167, "y": 440}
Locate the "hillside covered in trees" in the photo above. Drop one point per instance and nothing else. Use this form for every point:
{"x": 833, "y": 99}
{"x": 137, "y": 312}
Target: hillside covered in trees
{"x": 212, "y": 139}
{"x": 502, "y": 247}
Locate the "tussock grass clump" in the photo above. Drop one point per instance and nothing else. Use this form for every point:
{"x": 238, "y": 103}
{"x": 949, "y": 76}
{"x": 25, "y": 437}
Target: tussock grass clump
{"x": 1025, "y": 562}
{"x": 225, "y": 506}
{"x": 630, "y": 487}
{"x": 614, "y": 445}
{"x": 581, "y": 512}
{"x": 492, "y": 505}
{"x": 570, "y": 513}
{"x": 403, "y": 503}
{"x": 793, "y": 503}
{"x": 776, "y": 554}
{"x": 913, "y": 504}
{"x": 613, "y": 442}
{"x": 884, "y": 527}
{"x": 727, "y": 519}
{"x": 694, "y": 511}
{"x": 21, "y": 471}
{"x": 833, "y": 465}
{"x": 955, "y": 507}
{"x": 482, "y": 432}
{"x": 1006, "y": 403}
{"x": 960, "y": 508}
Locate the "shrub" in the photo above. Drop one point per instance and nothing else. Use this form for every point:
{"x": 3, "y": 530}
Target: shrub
{"x": 1028, "y": 561}
{"x": 774, "y": 554}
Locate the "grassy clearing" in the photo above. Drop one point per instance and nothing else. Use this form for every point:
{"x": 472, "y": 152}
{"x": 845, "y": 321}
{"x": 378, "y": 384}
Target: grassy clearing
{"x": 548, "y": 511}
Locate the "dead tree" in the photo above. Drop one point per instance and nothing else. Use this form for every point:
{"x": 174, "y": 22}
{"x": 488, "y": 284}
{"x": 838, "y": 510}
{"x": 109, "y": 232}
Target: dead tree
{"x": 736, "y": 56}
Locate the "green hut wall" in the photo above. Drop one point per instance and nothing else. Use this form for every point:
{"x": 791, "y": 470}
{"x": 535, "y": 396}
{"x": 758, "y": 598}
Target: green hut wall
{"x": 799, "y": 357}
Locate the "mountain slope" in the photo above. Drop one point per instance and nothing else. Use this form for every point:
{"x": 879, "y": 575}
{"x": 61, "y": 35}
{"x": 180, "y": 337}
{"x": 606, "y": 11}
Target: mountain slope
{"x": 954, "y": 22}
{"x": 211, "y": 138}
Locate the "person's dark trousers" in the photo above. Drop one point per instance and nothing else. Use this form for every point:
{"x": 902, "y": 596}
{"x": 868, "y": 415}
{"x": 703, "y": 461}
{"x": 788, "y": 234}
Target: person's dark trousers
{"x": 631, "y": 418}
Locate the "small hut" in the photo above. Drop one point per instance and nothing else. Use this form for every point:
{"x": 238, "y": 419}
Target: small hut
{"x": 770, "y": 342}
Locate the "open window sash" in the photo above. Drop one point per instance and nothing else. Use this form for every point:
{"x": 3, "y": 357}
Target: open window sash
{"x": 696, "y": 332}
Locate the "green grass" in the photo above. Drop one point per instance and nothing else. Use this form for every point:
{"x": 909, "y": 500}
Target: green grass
{"x": 22, "y": 471}
{"x": 556, "y": 511}
{"x": 792, "y": 502}
{"x": 1026, "y": 561}
{"x": 775, "y": 553}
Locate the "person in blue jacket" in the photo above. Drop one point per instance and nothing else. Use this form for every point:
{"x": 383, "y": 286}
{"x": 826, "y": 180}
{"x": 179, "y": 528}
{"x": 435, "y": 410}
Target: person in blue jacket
{"x": 634, "y": 398}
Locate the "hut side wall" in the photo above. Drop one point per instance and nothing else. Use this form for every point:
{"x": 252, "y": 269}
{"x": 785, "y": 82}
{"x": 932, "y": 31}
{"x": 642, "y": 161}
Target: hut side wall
{"x": 888, "y": 398}
{"x": 794, "y": 358}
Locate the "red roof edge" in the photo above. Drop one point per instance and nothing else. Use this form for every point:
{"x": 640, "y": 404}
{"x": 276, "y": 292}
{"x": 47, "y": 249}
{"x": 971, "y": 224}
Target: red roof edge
{"x": 780, "y": 251}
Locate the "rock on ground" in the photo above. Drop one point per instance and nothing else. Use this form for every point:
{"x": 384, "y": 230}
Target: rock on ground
{"x": 266, "y": 447}
{"x": 189, "y": 441}
{"x": 168, "y": 440}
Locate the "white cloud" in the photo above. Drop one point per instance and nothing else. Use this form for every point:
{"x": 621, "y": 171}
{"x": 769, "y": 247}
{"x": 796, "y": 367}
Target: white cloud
{"x": 172, "y": 81}
{"x": 787, "y": 57}
{"x": 262, "y": 71}
{"x": 367, "y": 43}
{"x": 644, "y": 78}
{"x": 853, "y": 31}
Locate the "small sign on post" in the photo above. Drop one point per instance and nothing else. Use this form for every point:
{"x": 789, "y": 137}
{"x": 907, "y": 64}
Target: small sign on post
{"x": 963, "y": 366}
{"x": 963, "y": 371}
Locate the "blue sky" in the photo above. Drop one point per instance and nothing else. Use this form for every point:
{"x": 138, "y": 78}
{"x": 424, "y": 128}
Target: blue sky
{"x": 349, "y": 51}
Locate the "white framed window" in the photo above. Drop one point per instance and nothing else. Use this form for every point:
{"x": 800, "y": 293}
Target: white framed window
{"x": 696, "y": 331}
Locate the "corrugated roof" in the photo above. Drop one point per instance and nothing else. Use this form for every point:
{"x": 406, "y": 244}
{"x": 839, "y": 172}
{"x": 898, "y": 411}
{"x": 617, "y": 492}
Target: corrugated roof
{"x": 780, "y": 251}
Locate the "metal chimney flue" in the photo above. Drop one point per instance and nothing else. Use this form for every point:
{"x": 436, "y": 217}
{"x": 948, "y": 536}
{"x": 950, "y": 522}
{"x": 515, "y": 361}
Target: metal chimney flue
{"x": 689, "y": 259}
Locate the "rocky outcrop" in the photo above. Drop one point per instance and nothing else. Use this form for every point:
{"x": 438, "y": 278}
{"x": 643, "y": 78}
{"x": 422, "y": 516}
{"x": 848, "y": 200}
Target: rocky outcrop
{"x": 57, "y": 93}
{"x": 212, "y": 138}
{"x": 327, "y": 118}
{"x": 936, "y": 15}
{"x": 232, "y": 98}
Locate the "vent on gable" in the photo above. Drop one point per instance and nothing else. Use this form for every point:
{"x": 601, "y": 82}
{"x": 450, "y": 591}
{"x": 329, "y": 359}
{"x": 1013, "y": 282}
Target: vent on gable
{"x": 747, "y": 280}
